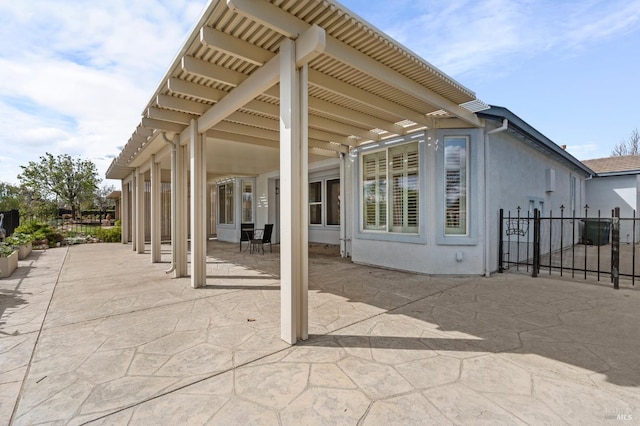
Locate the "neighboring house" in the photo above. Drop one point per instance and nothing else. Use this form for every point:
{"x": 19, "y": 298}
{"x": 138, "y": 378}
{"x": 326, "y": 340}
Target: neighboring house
{"x": 301, "y": 114}
{"x": 616, "y": 185}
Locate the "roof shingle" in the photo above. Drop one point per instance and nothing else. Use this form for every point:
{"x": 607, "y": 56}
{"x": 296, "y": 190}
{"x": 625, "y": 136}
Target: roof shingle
{"x": 614, "y": 164}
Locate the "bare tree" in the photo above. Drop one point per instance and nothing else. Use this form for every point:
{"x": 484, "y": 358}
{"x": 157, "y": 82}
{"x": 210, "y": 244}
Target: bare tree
{"x": 630, "y": 146}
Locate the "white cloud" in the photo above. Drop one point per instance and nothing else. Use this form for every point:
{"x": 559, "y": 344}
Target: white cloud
{"x": 75, "y": 76}
{"x": 487, "y": 36}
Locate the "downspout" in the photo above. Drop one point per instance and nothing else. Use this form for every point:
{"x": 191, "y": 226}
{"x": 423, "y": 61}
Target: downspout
{"x": 174, "y": 226}
{"x": 487, "y": 227}
{"x": 343, "y": 205}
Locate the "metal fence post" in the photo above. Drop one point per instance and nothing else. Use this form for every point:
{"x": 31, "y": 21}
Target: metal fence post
{"x": 615, "y": 248}
{"x": 500, "y": 242}
{"x": 536, "y": 243}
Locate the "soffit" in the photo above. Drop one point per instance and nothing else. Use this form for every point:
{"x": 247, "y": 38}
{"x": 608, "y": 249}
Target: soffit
{"x": 349, "y": 105}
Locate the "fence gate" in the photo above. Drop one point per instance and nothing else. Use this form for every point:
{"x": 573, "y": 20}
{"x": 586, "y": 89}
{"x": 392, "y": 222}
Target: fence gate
{"x": 583, "y": 246}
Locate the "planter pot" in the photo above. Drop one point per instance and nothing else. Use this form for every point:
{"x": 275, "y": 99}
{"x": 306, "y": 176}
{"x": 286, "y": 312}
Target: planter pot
{"x": 8, "y": 264}
{"x": 24, "y": 251}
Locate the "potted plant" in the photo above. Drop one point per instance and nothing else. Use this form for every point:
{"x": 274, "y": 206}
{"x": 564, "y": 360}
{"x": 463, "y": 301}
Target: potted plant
{"x": 21, "y": 242}
{"x": 8, "y": 260}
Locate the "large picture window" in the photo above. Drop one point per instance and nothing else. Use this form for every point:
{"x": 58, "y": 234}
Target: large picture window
{"x": 456, "y": 185}
{"x": 391, "y": 189}
{"x": 225, "y": 203}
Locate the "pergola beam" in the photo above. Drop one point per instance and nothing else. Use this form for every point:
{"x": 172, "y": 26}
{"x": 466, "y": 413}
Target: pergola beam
{"x": 240, "y": 138}
{"x": 309, "y": 46}
{"x": 228, "y": 44}
{"x": 283, "y": 22}
{"x": 168, "y": 115}
{"x": 212, "y": 72}
{"x": 182, "y": 105}
{"x": 353, "y": 93}
{"x": 167, "y": 126}
{"x": 272, "y": 124}
{"x": 345, "y": 114}
{"x": 273, "y": 134}
{"x": 195, "y": 90}
{"x": 258, "y": 82}
{"x": 344, "y": 53}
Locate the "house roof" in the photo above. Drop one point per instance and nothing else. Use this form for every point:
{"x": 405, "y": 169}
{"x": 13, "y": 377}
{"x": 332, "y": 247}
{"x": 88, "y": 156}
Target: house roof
{"x": 533, "y": 137}
{"x": 624, "y": 164}
{"x": 363, "y": 85}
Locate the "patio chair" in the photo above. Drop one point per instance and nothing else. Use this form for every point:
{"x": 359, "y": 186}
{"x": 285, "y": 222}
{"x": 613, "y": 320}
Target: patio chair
{"x": 258, "y": 243}
{"x": 246, "y": 233}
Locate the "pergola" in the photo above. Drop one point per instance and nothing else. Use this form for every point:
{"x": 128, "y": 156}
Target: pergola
{"x": 267, "y": 84}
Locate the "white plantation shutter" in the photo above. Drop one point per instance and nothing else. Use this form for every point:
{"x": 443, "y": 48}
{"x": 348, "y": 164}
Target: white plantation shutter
{"x": 404, "y": 192}
{"x": 375, "y": 191}
{"x": 400, "y": 167}
{"x": 455, "y": 165}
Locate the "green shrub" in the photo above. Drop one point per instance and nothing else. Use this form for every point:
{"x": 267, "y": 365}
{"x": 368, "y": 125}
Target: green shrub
{"x": 109, "y": 235}
{"x": 118, "y": 223}
{"x": 5, "y": 249}
{"x": 40, "y": 231}
{"x": 19, "y": 239}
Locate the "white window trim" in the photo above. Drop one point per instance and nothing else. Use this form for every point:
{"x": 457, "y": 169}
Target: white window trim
{"x": 326, "y": 203}
{"x": 473, "y": 189}
{"x": 220, "y": 207}
{"x": 358, "y": 213}
{"x": 466, "y": 198}
{"x": 316, "y": 203}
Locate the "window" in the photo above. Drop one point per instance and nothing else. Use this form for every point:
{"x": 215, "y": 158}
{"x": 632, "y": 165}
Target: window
{"x": 333, "y": 202}
{"x": 225, "y": 203}
{"x": 315, "y": 203}
{"x": 456, "y": 184}
{"x": 404, "y": 189}
{"x": 393, "y": 208}
{"x": 247, "y": 201}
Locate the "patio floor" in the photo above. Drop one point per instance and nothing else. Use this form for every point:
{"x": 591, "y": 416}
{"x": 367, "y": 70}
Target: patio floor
{"x": 97, "y": 334}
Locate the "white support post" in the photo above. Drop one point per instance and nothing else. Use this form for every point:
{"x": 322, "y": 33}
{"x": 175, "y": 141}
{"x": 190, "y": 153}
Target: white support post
{"x": 140, "y": 213}
{"x": 303, "y": 201}
{"x": 198, "y": 208}
{"x": 293, "y": 268}
{"x": 124, "y": 216}
{"x": 181, "y": 213}
{"x": 156, "y": 230}
{"x": 134, "y": 210}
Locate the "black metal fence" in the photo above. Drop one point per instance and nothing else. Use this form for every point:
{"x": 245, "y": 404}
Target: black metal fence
{"x": 597, "y": 246}
{"x": 63, "y": 221}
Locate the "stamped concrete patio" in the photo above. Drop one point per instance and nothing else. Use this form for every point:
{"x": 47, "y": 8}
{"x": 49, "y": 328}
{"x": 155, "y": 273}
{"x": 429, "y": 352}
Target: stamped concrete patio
{"x": 97, "y": 334}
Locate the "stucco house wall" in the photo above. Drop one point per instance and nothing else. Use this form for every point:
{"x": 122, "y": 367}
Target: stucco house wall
{"x": 607, "y": 192}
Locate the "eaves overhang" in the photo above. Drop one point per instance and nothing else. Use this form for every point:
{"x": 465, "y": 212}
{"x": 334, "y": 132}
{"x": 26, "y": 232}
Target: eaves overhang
{"x": 536, "y": 139}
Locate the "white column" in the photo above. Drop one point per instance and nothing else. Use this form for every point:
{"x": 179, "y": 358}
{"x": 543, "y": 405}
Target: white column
{"x": 303, "y": 201}
{"x": 198, "y": 208}
{"x": 139, "y": 211}
{"x": 134, "y": 210}
{"x": 156, "y": 206}
{"x": 124, "y": 213}
{"x": 181, "y": 212}
{"x": 293, "y": 241}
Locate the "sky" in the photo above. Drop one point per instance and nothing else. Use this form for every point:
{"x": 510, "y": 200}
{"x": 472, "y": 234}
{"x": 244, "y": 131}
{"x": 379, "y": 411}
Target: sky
{"x": 75, "y": 75}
